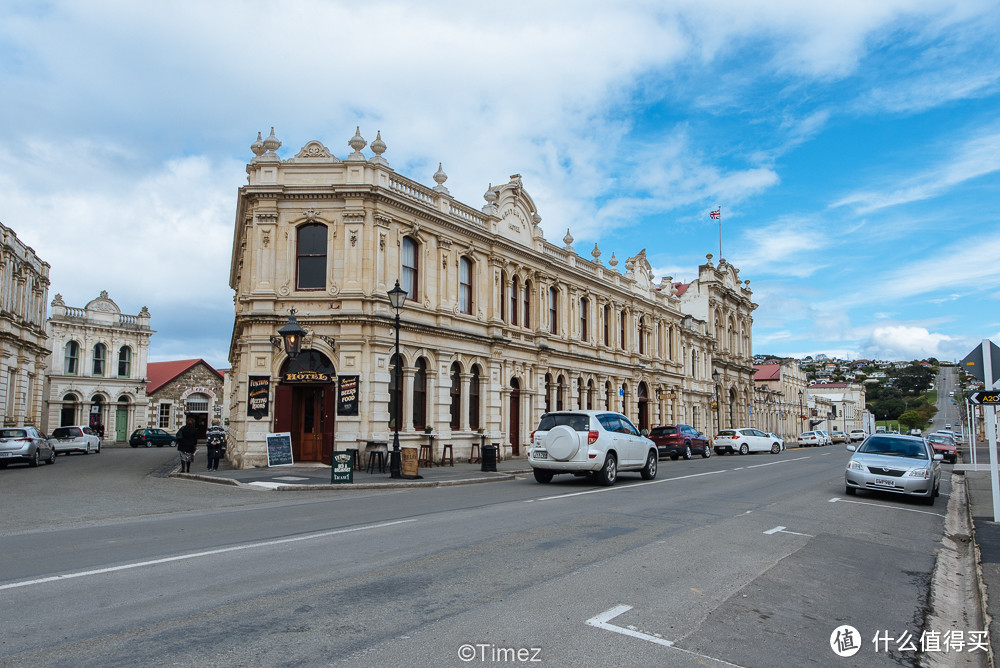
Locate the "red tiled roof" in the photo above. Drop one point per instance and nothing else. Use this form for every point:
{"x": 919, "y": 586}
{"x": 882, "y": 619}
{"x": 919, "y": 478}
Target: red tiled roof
{"x": 161, "y": 373}
{"x": 681, "y": 288}
{"x": 767, "y": 372}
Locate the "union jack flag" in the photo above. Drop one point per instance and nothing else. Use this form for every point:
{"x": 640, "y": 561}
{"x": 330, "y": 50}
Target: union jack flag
{"x": 716, "y": 214}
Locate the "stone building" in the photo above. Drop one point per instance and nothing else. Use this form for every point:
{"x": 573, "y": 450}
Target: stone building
{"x": 844, "y": 405}
{"x": 97, "y": 367}
{"x": 780, "y": 399}
{"x": 24, "y": 348}
{"x": 499, "y": 324}
{"x": 182, "y": 389}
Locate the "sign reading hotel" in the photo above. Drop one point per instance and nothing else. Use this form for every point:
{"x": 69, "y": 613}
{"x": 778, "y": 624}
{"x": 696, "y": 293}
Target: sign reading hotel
{"x": 306, "y": 377}
{"x": 347, "y": 395}
{"x": 258, "y": 396}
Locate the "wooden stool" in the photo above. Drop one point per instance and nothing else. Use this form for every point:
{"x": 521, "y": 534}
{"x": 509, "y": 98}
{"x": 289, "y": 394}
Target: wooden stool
{"x": 376, "y": 458}
{"x": 474, "y": 456}
{"x": 426, "y": 457}
{"x": 446, "y": 453}
{"x": 499, "y": 452}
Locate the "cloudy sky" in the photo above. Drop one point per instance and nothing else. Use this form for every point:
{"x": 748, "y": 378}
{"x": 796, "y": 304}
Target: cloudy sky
{"x": 854, "y": 147}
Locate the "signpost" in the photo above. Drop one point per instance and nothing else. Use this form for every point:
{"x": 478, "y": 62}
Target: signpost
{"x": 984, "y": 363}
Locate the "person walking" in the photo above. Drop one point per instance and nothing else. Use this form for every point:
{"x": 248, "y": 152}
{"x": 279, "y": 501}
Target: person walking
{"x": 215, "y": 444}
{"x": 187, "y": 444}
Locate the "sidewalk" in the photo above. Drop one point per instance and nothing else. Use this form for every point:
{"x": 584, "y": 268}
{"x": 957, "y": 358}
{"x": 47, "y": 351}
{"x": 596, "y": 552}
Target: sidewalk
{"x": 986, "y": 534}
{"x": 313, "y": 476}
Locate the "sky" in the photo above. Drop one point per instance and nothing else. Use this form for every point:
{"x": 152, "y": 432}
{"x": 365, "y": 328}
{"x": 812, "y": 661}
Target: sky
{"x": 853, "y": 147}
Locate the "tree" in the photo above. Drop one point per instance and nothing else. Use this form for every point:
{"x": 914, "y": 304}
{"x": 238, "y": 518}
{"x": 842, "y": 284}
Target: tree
{"x": 911, "y": 419}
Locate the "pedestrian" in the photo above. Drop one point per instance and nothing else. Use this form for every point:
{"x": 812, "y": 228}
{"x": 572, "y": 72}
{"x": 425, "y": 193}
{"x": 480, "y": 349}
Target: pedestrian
{"x": 187, "y": 444}
{"x": 215, "y": 444}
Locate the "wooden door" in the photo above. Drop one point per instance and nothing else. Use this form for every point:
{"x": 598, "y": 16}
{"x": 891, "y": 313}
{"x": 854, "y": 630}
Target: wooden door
{"x": 308, "y": 424}
{"x": 514, "y": 431}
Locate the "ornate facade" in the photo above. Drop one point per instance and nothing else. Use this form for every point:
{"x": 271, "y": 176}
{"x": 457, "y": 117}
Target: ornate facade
{"x": 499, "y": 324}
{"x": 781, "y": 399}
{"x": 182, "y": 389}
{"x": 97, "y": 368}
{"x": 24, "y": 348}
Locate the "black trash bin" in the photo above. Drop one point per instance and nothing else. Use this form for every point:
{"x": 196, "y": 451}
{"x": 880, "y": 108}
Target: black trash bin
{"x": 489, "y": 458}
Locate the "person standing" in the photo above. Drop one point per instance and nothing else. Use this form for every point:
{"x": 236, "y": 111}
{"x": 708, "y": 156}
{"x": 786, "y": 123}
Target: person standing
{"x": 215, "y": 444}
{"x": 187, "y": 444}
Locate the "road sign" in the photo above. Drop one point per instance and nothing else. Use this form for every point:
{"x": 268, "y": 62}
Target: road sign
{"x": 974, "y": 365}
{"x": 985, "y": 398}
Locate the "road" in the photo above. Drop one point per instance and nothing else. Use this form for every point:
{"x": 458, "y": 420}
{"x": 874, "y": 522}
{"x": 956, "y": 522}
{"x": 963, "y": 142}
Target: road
{"x": 745, "y": 561}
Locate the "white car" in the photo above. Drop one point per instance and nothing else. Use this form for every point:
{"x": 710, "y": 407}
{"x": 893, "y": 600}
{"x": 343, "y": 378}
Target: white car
{"x": 75, "y": 439}
{"x": 857, "y": 435}
{"x": 590, "y": 443}
{"x": 810, "y": 438}
{"x": 827, "y": 440}
{"x": 744, "y": 441}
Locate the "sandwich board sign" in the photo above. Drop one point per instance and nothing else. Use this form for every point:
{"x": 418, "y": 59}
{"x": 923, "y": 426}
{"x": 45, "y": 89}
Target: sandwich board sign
{"x": 279, "y": 449}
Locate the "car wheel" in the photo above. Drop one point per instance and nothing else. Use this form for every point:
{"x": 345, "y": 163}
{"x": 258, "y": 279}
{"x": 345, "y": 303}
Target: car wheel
{"x": 649, "y": 470}
{"x": 173, "y": 444}
{"x": 543, "y": 476}
{"x": 687, "y": 452}
{"x": 609, "y": 472}
{"x": 744, "y": 449}
{"x": 850, "y": 491}
{"x": 706, "y": 452}
{"x": 52, "y": 457}
{"x": 929, "y": 499}
{"x": 775, "y": 448}
{"x": 98, "y": 448}
{"x": 33, "y": 462}
{"x": 674, "y": 457}
{"x": 87, "y": 451}
{"x": 149, "y": 444}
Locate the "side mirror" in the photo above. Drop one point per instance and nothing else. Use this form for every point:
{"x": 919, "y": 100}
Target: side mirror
{"x": 938, "y": 457}
{"x": 851, "y": 448}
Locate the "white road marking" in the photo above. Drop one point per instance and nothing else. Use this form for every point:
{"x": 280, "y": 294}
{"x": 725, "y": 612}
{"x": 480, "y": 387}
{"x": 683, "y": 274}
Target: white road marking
{"x": 195, "y": 555}
{"x": 619, "y": 488}
{"x": 783, "y": 461}
{"x": 879, "y": 505}
{"x": 780, "y": 529}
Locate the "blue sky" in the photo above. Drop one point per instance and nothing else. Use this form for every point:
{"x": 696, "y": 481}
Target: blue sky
{"x": 854, "y": 148}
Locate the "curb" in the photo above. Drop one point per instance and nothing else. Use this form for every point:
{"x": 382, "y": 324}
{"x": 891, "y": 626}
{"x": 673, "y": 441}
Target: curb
{"x": 409, "y": 484}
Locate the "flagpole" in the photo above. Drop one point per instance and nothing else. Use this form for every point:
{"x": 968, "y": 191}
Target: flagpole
{"x": 720, "y": 233}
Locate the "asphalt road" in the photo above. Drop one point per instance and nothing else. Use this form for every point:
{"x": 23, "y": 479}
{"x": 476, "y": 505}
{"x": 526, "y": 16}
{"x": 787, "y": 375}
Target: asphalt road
{"x": 745, "y": 561}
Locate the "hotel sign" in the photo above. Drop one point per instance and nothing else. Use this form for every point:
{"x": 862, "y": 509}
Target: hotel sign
{"x": 307, "y": 377}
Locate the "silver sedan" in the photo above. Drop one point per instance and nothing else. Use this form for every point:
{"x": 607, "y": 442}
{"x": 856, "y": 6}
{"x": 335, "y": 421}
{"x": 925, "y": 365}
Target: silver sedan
{"x": 896, "y": 464}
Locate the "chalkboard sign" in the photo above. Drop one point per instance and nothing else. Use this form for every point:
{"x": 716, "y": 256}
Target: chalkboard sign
{"x": 343, "y": 467}
{"x": 347, "y": 403}
{"x": 258, "y": 394}
{"x": 279, "y": 449}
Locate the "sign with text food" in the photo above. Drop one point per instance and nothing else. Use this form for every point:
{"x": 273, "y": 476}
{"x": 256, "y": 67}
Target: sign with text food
{"x": 343, "y": 467}
{"x": 279, "y": 449}
{"x": 347, "y": 395}
{"x": 258, "y": 396}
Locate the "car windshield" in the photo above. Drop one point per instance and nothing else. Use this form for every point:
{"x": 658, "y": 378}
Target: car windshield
{"x": 65, "y": 432}
{"x": 894, "y": 447}
{"x": 663, "y": 431}
{"x": 574, "y": 421}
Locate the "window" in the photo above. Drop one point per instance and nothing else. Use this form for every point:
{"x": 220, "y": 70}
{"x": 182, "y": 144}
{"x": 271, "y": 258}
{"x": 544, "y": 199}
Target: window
{"x": 583, "y": 318}
{"x": 503, "y": 296}
{"x": 456, "y": 397}
{"x": 164, "y": 422}
{"x": 621, "y": 332}
{"x": 642, "y": 335}
{"x": 607, "y": 325}
{"x": 579, "y": 393}
{"x": 409, "y": 278}
{"x": 526, "y": 315}
{"x": 100, "y": 353}
{"x": 420, "y": 395}
{"x": 553, "y": 311}
{"x": 548, "y": 393}
{"x": 474, "y": 399}
{"x": 124, "y": 362}
{"x": 560, "y": 391}
{"x": 72, "y": 357}
{"x": 311, "y": 257}
{"x": 465, "y": 285}
{"x": 395, "y": 397}
{"x": 513, "y": 300}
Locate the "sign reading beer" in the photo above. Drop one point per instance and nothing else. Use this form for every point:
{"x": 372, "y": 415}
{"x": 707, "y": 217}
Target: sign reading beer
{"x": 258, "y": 396}
{"x": 347, "y": 395}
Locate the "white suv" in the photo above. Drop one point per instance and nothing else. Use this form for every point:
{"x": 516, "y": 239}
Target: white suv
{"x": 75, "y": 439}
{"x": 595, "y": 443}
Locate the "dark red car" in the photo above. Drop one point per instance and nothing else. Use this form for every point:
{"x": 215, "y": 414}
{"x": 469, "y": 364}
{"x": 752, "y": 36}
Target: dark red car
{"x": 680, "y": 440}
{"x": 944, "y": 445}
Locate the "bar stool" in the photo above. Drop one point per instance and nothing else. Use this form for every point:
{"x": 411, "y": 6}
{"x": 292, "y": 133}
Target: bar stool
{"x": 474, "y": 456}
{"x": 499, "y": 452}
{"x": 376, "y": 458}
{"x": 447, "y": 453}
{"x": 426, "y": 457}
{"x": 356, "y": 457}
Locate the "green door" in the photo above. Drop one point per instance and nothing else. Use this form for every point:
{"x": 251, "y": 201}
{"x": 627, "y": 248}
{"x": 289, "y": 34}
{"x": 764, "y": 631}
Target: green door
{"x": 121, "y": 425}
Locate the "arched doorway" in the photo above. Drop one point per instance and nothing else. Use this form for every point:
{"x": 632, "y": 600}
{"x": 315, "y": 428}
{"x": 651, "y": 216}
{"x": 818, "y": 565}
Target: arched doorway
{"x": 67, "y": 416}
{"x": 121, "y": 419}
{"x": 514, "y": 430}
{"x": 196, "y": 406}
{"x": 96, "y": 421}
{"x": 643, "y": 406}
{"x": 305, "y": 404}
{"x": 734, "y": 416}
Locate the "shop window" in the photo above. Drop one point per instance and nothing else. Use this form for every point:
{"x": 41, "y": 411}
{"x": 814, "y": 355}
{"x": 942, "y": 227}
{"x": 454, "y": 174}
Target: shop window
{"x": 310, "y": 256}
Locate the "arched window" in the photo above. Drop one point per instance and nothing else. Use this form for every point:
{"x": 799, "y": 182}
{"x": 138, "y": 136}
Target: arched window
{"x": 590, "y": 395}
{"x": 526, "y": 315}
{"x": 72, "y": 360}
{"x": 310, "y": 256}
{"x": 514, "y": 291}
{"x": 579, "y": 394}
{"x": 420, "y": 395}
{"x": 608, "y": 396}
{"x": 67, "y": 417}
{"x": 548, "y": 392}
{"x": 465, "y": 285}
{"x": 124, "y": 362}
{"x": 553, "y": 311}
{"x": 503, "y": 296}
{"x": 100, "y": 356}
{"x": 642, "y": 335}
{"x": 474, "y": 398}
{"x": 456, "y": 397}
{"x": 395, "y": 396}
{"x": 560, "y": 391}
{"x": 408, "y": 279}
{"x": 96, "y": 412}
{"x": 621, "y": 330}
{"x": 584, "y": 313}
{"x": 607, "y": 325}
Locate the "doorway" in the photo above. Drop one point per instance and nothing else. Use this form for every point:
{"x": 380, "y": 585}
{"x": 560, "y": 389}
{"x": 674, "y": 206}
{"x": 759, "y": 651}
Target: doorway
{"x": 514, "y": 431}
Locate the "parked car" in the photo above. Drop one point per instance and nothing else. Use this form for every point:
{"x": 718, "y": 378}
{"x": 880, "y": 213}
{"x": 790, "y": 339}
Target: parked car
{"x": 944, "y": 445}
{"x": 75, "y": 439}
{"x": 745, "y": 440}
{"x": 780, "y": 440}
{"x": 827, "y": 439}
{"x": 149, "y": 437}
{"x": 810, "y": 438}
{"x": 680, "y": 440}
{"x": 857, "y": 435}
{"x": 24, "y": 445}
{"x": 590, "y": 443}
{"x": 894, "y": 463}
{"x": 839, "y": 437}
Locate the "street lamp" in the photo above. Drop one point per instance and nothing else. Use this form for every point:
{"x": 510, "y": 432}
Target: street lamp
{"x": 718, "y": 400}
{"x": 291, "y": 336}
{"x": 397, "y": 297}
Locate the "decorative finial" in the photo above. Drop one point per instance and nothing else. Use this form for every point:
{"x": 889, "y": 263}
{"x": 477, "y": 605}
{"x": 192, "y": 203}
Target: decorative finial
{"x": 378, "y": 148}
{"x": 440, "y": 177}
{"x": 568, "y": 239}
{"x": 613, "y": 261}
{"x": 258, "y": 146}
{"x": 271, "y": 143}
{"x": 709, "y": 257}
{"x": 597, "y": 254}
{"x": 357, "y": 142}
{"x": 491, "y": 199}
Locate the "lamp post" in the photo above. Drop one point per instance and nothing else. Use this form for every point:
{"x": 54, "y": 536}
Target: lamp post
{"x": 397, "y": 297}
{"x": 801, "y": 411}
{"x": 718, "y": 400}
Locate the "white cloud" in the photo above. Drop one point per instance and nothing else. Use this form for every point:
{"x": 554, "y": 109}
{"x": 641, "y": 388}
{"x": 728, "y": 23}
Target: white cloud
{"x": 908, "y": 343}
